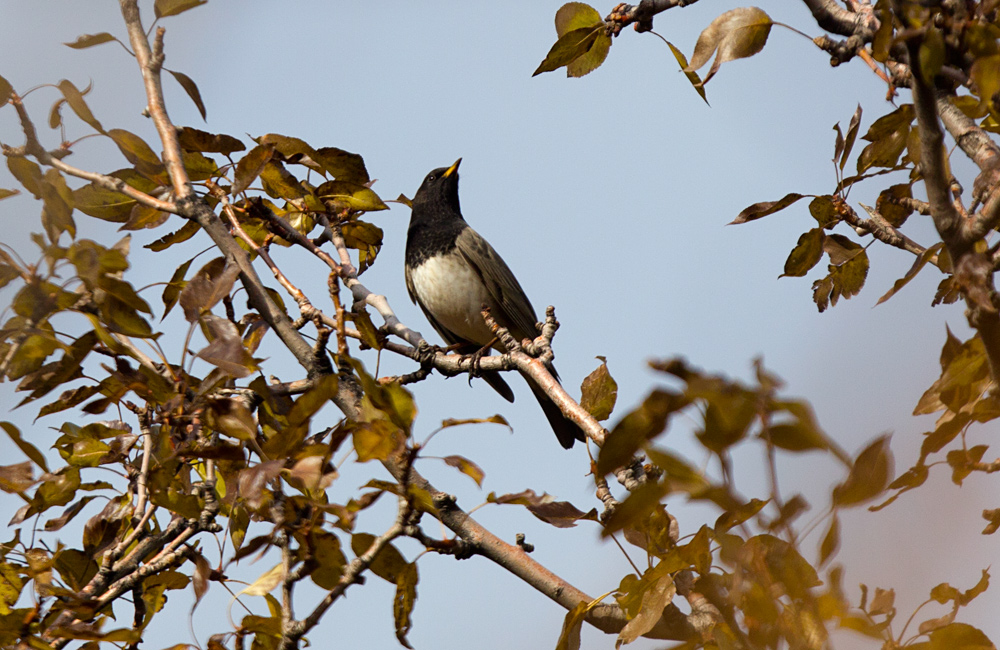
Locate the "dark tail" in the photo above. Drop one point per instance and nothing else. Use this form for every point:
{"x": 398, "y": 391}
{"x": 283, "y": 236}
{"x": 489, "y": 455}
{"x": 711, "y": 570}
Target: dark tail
{"x": 566, "y": 430}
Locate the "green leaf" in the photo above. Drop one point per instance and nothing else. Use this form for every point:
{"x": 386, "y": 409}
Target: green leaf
{"x": 75, "y": 100}
{"x": 570, "y": 46}
{"x": 164, "y": 8}
{"x": 191, "y": 88}
{"x": 90, "y": 40}
{"x": 736, "y": 34}
{"x": 806, "y": 254}
{"x": 599, "y": 392}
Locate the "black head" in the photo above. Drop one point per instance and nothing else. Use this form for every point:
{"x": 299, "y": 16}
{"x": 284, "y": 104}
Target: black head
{"x": 439, "y": 189}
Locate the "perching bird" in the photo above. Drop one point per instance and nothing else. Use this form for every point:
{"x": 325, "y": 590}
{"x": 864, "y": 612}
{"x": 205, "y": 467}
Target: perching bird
{"x": 451, "y": 272}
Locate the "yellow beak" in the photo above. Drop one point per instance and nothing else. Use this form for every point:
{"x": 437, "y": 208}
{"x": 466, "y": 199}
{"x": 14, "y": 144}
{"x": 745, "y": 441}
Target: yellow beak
{"x": 454, "y": 168}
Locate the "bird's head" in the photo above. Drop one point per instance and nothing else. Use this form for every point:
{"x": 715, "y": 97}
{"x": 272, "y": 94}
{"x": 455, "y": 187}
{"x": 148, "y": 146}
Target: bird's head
{"x": 440, "y": 188}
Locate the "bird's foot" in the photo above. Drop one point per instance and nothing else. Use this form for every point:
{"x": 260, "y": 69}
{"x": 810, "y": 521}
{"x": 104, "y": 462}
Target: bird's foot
{"x": 476, "y": 358}
{"x": 426, "y": 351}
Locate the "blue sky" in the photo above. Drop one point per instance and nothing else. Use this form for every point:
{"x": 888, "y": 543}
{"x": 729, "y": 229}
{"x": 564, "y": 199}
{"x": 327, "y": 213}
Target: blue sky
{"x": 608, "y": 197}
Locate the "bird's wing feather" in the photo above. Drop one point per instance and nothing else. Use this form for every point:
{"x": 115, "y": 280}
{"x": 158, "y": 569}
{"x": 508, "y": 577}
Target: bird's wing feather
{"x": 517, "y": 315}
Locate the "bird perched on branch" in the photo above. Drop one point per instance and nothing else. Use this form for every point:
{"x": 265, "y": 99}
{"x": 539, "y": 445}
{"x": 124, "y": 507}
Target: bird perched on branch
{"x": 451, "y": 272}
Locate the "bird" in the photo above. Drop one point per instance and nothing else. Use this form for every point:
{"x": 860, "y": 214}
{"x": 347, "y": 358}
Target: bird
{"x": 451, "y": 271}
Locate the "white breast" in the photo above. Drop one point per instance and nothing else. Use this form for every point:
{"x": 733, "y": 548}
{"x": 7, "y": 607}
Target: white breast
{"x": 453, "y": 294}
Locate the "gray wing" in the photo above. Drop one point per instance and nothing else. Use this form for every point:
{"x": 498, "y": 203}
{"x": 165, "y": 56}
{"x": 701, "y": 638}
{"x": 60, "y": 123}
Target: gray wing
{"x": 516, "y": 312}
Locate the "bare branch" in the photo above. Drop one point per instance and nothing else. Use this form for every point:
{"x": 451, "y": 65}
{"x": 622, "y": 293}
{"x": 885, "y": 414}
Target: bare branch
{"x": 641, "y": 14}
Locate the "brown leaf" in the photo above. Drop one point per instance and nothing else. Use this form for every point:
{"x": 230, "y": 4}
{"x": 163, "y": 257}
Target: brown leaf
{"x": 806, "y": 254}
{"x": 90, "y": 40}
{"x": 191, "y": 88}
{"x": 164, "y": 8}
{"x": 403, "y": 602}
{"x": 736, "y": 34}
{"x": 764, "y": 208}
{"x": 467, "y": 467}
{"x": 75, "y": 100}
{"x": 868, "y": 477}
{"x": 250, "y": 166}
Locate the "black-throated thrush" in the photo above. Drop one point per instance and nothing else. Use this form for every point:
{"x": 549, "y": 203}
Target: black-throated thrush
{"x": 451, "y": 272}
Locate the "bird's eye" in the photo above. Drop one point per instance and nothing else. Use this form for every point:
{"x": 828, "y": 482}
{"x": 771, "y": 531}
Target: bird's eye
{"x": 432, "y": 177}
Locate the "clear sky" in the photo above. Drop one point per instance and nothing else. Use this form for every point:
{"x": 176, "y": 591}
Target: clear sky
{"x": 608, "y": 197}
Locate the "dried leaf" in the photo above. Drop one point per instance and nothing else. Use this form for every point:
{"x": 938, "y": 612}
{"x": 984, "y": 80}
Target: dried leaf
{"x": 736, "y": 34}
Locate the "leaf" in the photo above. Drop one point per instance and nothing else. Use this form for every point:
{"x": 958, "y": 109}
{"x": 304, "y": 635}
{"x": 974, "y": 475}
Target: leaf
{"x": 75, "y": 100}
{"x": 633, "y": 430}
{"x": 90, "y": 40}
{"x": 250, "y": 166}
{"x": 266, "y": 583}
{"x": 868, "y": 477}
{"x": 164, "y": 8}
{"x": 6, "y": 91}
{"x": 959, "y": 636}
{"x": 26, "y": 447}
{"x": 467, "y": 467}
{"x": 27, "y": 173}
{"x": 351, "y": 195}
{"x": 172, "y": 292}
{"x": 654, "y": 599}
{"x": 764, "y": 208}
{"x": 736, "y": 34}
{"x": 918, "y": 264}
{"x": 888, "y": 205}
{"x": 883, "y": 602}
{"x": 887, "y": 136}
{"x": 192, "y": 139}
{"x": 388, "y": 563}
{"x": 831, "y": 541}
{"x": 692, "y": 76}
{"x": 599, "y": 392}
{"x": 403, "y": 602}
{"x": 182, "y": 234}
{"x": 806, "y": 254}
{"x": 570, "y": 46}
{"x": 931, "y": 54}
{"x": 376, "y": 440}
{"x": 137, "y": 152}
{"x": 569, "y": 636}
{"x": 191, "y": 88}
{"x": 852, "y": 134}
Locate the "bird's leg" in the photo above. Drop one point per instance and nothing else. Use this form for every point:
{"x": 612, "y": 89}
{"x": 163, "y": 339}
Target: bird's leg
{"x": 426, "y": 352}
{"x": 476, "y": 358}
